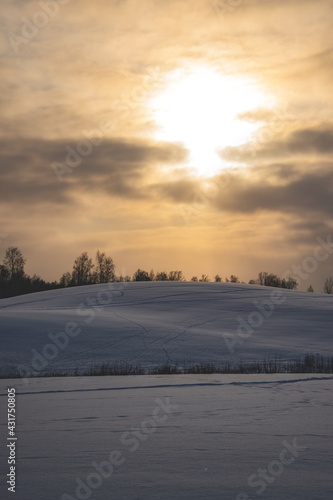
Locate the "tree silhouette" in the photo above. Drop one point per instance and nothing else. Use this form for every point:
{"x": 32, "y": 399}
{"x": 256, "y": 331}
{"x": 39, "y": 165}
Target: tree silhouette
{"x": 104, "y": 269}
{"x": 65, "y": 280}
{"x": 271, "y": 279}
{"x": 81, "y": 274}
{"x": 204, "y": 278}
{"x": 234, "y": 279}
{"x": 328, "y": 286}
{"x": 175, "y": 276}
{"x": 141, "y": 275}
{"x": 14, "y": 263}
{"x": 161, "y": 276}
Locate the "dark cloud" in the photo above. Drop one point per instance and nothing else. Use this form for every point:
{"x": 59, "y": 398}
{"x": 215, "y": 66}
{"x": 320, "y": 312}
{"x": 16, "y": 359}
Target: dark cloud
{"x": 308, "y": 193}
{"x": 116, "y": 167}
{"x": 135, "y": 170}
{"x": 312, "y": 141}
{"x": 303, "y": 191}
{"x": 179, "y": 191}
{"x": 317, "y": 141}
{"x": 305, "y": 231}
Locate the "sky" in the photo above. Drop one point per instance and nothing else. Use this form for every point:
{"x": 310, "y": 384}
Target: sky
{"x": 168, "y": 134}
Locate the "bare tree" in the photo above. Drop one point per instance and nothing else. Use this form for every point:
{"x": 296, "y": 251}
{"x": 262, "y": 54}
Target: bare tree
{"x": 4, "y": 273}
{"x": 161, "y": 276}
{"x": 292, "y": 284}
{"x": 81, "y": 274}
{"x": 65, "y": 280}
{"x": 234, "y": 279}
{"x": 141, "y": 275}
{"x": 271, "y": 279}
{"x": 310, "y": 289}
{"x": 14, "y": 263}
{"x": 122, "y": 278}
{"x": 204, "y": 278}
{"x": 217, "y": 279}
{"x": 104, "y": 269}
{"x": 262, "y": 278}
{"x": 328, "y": 287}
{"x": 175, "y": 276}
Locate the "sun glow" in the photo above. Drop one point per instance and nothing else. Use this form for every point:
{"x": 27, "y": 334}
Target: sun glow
{"x": 199, "y": 108}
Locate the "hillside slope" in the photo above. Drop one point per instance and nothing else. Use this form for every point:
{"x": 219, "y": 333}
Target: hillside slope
{"x": 149, "y": 323}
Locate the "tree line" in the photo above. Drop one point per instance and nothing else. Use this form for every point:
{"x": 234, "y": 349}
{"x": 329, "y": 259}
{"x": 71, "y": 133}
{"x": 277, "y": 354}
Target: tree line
{"x": 14, "y": 280}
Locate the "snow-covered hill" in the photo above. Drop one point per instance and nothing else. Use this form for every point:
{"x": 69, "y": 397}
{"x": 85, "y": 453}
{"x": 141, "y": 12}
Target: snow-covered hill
{"x": 149, "y": 323}
{"x": 203, "y": 437}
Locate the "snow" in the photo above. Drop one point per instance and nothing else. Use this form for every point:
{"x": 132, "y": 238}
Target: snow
{"x": 216, "y": 433}
{"x": 207, "y": 437}
{"x": 152, "y": 323}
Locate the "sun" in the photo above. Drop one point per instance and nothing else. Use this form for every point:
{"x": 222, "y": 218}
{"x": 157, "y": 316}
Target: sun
{"x": 199, "y": 107}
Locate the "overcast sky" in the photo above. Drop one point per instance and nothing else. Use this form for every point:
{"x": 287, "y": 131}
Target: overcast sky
{"x": 73, "y": 70}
